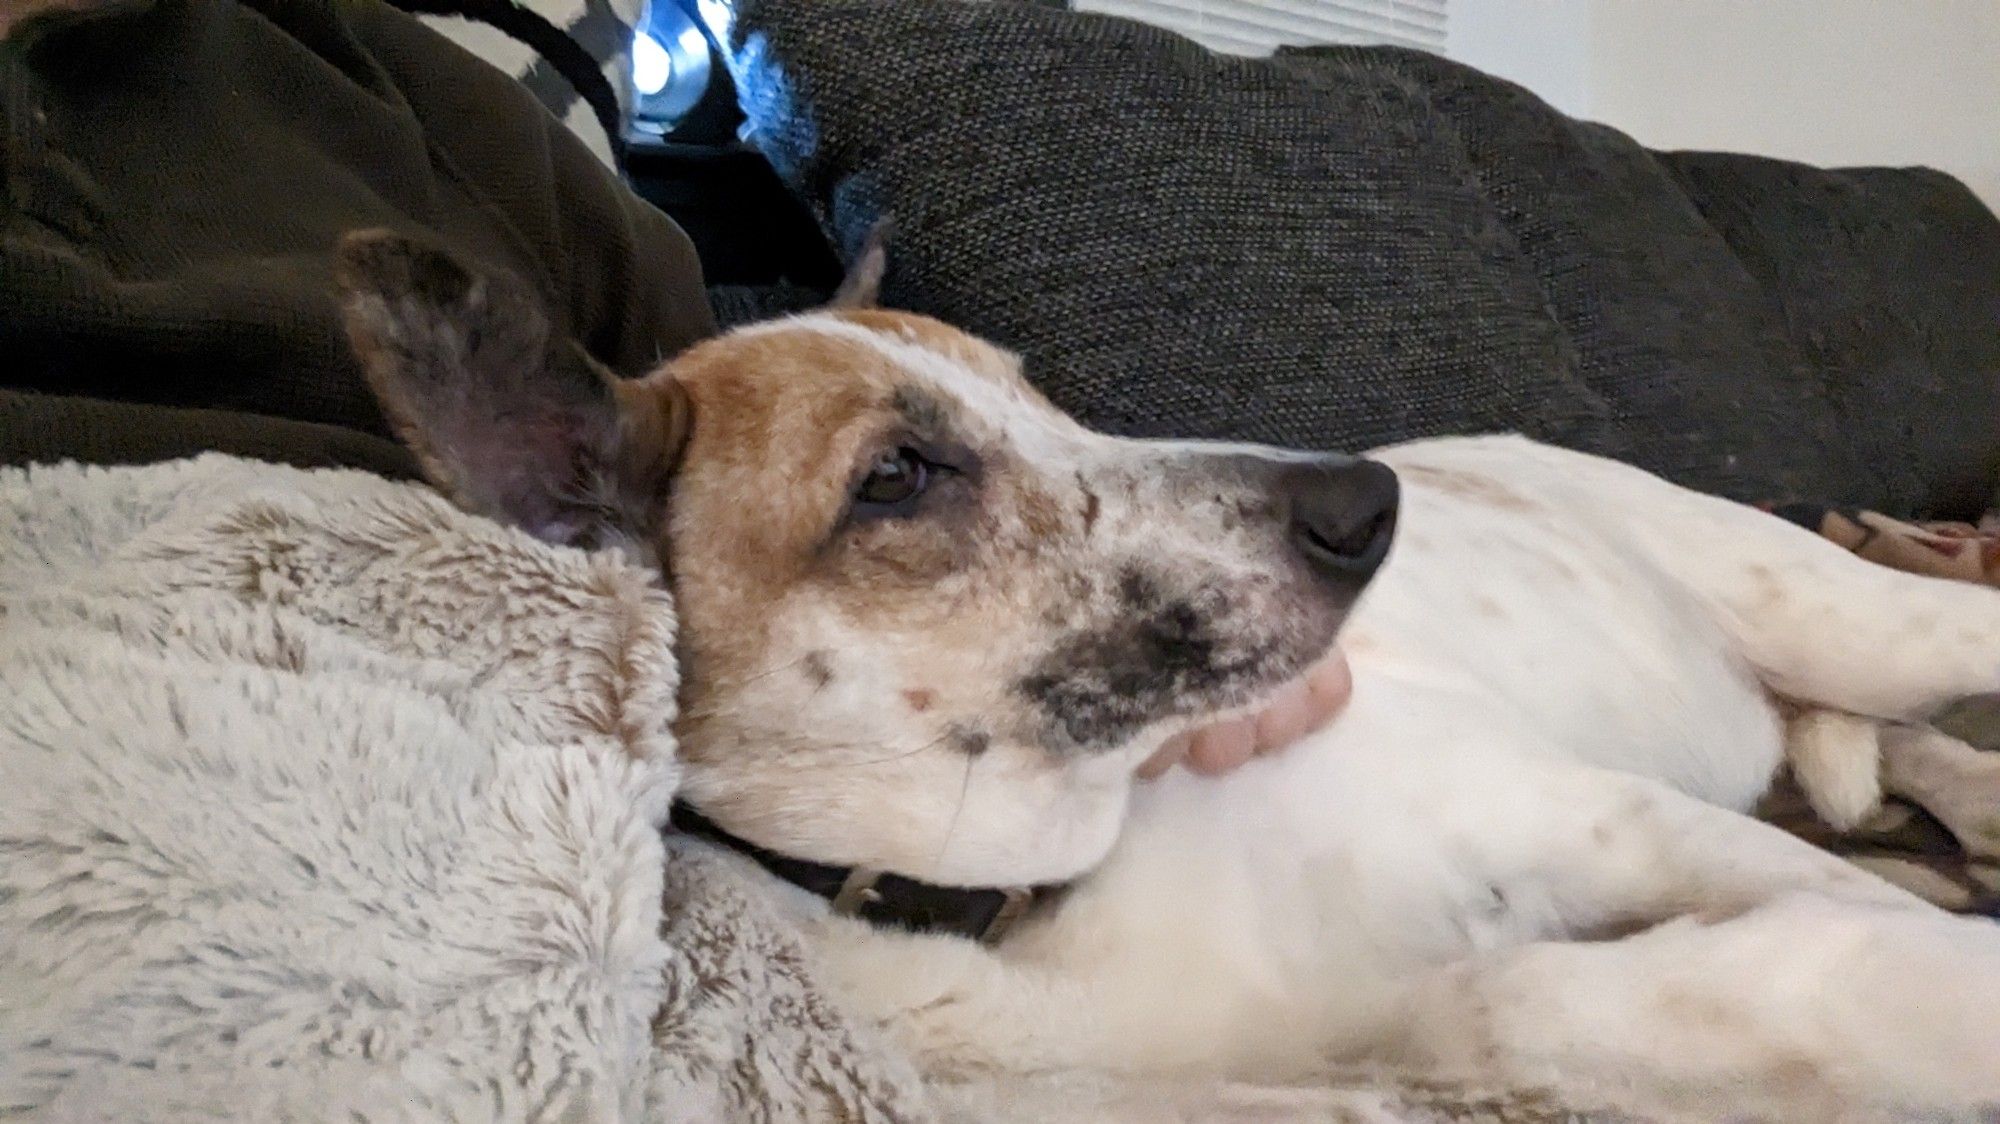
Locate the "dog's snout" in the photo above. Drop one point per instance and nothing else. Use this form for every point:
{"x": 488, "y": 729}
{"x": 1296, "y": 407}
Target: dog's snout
{"x": 1342, "y": 516}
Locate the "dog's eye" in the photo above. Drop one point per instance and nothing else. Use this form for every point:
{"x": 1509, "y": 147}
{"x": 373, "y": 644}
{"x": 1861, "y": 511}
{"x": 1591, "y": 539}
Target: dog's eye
{"x": 895, "y": 481}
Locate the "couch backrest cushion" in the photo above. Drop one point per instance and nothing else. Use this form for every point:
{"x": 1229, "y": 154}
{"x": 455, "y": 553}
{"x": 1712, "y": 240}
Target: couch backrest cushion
{"x": 1335, "y": 248}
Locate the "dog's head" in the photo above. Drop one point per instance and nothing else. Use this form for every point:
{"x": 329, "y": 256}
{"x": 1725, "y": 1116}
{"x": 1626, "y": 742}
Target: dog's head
{"x": 928, "y": 623}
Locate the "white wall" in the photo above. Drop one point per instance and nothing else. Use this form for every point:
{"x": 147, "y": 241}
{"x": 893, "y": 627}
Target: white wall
{"x": 1824, "y": 81}
{"x": 1541, "y": 44}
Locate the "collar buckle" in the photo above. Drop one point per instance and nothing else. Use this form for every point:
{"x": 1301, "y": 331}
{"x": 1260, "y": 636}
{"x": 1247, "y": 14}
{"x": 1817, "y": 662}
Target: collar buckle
{"x": 1016, "y": 900}
{"x": 857, "y": 890}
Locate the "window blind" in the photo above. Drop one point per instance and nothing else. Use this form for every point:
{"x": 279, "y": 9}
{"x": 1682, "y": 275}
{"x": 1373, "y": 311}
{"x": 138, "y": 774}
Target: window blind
{"x": 1257, "y": 27}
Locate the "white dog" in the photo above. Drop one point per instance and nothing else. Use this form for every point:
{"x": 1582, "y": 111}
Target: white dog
{"x": 931, "y": 625}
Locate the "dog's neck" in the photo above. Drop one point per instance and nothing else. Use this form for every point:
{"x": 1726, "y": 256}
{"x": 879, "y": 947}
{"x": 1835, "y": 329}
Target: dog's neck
{"x": 981, "y": 913}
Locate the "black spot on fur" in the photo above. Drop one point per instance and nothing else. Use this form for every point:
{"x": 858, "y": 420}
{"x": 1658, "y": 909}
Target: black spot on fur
{"x": 1137, "y": 590}
{"x": 1157, "y": 656}
{"x": 818, "y": 668}
{"x": 970, "y": 740}
{"x": 1091, "y": 506}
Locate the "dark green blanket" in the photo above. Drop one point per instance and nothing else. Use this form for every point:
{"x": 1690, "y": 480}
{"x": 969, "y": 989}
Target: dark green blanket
{"x": 174, "y": 175}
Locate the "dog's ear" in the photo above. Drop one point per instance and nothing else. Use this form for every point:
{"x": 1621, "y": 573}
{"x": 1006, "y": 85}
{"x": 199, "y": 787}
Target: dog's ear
{"x": 862, "y": 287}
{"x": 505, "y": 418}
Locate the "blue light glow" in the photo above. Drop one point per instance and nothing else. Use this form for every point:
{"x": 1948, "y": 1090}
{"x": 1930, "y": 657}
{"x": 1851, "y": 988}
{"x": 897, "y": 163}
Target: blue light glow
{"x": 671, "y": 67}
{"x": 652, "y": 66}
{"x": 691, "y": 43}
{"x": 719, "y": 16}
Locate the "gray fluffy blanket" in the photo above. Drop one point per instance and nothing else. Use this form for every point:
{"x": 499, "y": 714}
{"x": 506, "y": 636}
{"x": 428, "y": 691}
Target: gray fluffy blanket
{"x": 322, "y": 800}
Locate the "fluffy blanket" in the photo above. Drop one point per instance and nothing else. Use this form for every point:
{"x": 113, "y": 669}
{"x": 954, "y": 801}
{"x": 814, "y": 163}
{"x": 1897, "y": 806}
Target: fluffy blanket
{"x": 324, "y": 800}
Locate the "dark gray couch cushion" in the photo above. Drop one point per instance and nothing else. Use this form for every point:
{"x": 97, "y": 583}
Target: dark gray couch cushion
{"x": 1345, "y": 247}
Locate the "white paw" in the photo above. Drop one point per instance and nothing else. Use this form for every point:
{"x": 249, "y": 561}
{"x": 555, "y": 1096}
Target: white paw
{"x": 1836, "y": 758}
{"x": 870, "y": 970}
{"x": 918, "y": 991}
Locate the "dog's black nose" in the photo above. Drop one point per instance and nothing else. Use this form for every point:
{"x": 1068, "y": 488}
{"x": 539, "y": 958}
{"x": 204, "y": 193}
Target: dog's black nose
{"x": 1343, "y": 514}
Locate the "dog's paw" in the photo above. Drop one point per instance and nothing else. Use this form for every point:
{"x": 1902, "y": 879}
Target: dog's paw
{"x": 957, "y": 1009}
{"x": 1836, "y": 759}
{"x": 918, "y": 991}
{"x": 1948, "y": 778}
{"x": 867, "y": 969}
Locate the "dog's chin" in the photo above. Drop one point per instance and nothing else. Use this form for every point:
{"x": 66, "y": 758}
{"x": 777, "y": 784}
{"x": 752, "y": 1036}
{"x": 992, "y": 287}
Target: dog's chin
{"x": 1278, "y": 708}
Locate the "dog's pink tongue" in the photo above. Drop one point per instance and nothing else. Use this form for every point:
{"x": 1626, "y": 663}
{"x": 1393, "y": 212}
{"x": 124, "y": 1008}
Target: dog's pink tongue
{"x": 1300, "y": 707}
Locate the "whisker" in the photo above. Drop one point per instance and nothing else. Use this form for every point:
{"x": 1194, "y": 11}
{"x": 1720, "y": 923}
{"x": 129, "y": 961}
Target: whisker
{"x": 764, "y": 674}
{"x": 964, "y": 787}
{"x": 906, "y": 754}
{"x": 745, "y": 681}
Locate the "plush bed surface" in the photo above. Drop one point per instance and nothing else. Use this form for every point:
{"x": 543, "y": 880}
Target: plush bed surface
{"x": 325, "y": 800}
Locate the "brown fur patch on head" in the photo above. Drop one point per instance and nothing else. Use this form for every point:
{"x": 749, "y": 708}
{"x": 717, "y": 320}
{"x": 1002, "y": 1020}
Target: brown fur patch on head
{"x": 977, "y": 355}
{"x": 783, "y": 421}
{"x": 761, "y": 529}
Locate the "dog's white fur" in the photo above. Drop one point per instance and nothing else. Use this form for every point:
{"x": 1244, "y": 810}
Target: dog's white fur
{"x": 1522, "y": 852}
{"x": 1563, "y": 709}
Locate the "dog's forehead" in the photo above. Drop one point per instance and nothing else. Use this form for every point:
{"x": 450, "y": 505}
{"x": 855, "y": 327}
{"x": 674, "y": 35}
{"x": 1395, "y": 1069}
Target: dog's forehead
{"x": 899, "y": 359}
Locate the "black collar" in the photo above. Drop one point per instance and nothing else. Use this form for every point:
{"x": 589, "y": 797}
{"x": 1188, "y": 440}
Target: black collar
{"x": 981, "y": 913}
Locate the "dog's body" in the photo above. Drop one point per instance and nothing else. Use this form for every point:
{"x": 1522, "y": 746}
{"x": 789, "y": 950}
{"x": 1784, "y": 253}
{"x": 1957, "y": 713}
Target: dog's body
{"x": 1521, "y": 852}
{"x": 1557, "y": 750}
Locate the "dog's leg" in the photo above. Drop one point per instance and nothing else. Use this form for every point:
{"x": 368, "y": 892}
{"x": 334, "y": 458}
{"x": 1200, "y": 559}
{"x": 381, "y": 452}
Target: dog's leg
{"x": 1824, "y": 626}
{"x": 1820, "y": 624}
{"x": 1800, "y": 1009}
{"x": 1837, "y": 760}
{"x": 1565, "y": 851}
{"x": 1562, "y": 849}
{"x": 1845, "y": 764}
{"x": 1105, "y": 992}
{"x": 1949, "y": 779}
{"x": 1596, "y": 850}
{"x": 1760, "y": 964}
{"x": 958, "y": 1009}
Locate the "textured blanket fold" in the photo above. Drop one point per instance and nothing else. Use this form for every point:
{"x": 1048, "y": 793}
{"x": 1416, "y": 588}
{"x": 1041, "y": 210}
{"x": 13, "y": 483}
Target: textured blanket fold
{"x": 323, "y": 800}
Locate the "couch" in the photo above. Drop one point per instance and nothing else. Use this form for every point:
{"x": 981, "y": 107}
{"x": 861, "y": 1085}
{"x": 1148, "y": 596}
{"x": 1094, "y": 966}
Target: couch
{"x": 1333, "y": 248}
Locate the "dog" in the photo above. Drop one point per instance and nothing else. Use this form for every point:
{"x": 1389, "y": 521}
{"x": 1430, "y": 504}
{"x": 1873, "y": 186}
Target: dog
{"x": 931, "y": 626}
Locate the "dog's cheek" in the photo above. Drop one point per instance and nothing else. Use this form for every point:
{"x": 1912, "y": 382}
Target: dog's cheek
{"x": 1142, "y": 648}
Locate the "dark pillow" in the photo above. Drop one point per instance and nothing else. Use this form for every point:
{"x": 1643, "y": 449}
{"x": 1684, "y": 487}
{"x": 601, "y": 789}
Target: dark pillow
{"x": 1331, "y": 249}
